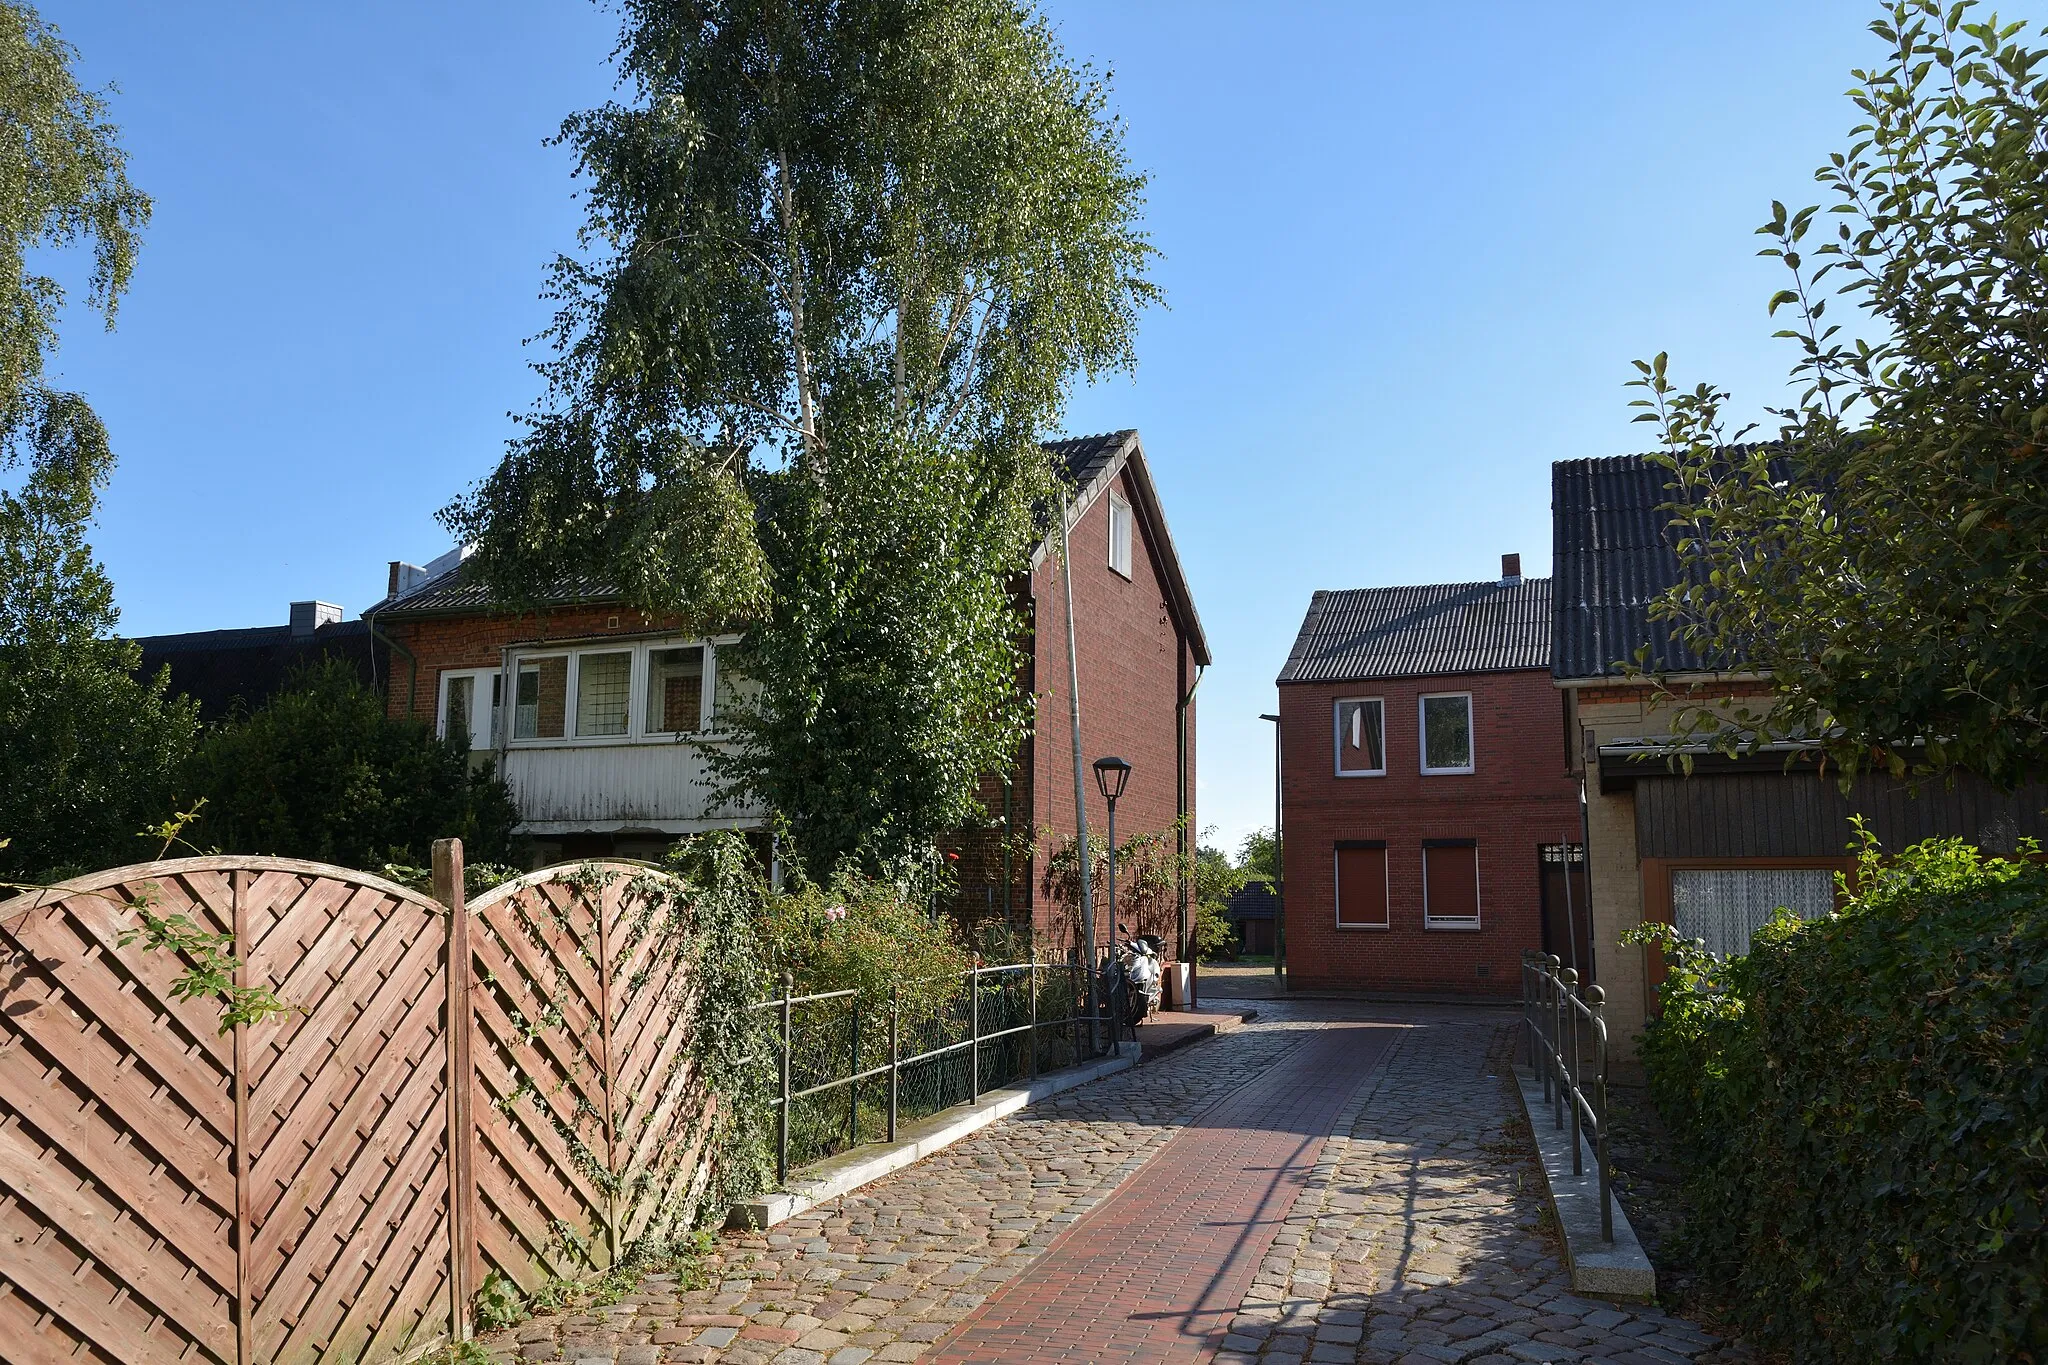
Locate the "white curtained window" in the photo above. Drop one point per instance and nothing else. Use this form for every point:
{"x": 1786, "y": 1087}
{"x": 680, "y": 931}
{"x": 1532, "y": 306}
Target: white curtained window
{"x": 1725, "y": 905}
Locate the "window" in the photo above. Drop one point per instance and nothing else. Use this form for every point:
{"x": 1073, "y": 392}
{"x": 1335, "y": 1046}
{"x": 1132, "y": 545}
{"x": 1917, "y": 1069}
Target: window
{"x": 1362, "y": 884}
{"x": 604, "y": 692}
{"x": 1362, "y": 738}
{"x": 1447, "y": 733}
{"x": 461, "y": 715}
{"x": 542, "y": 706}
{"x": 1725, "y": 905}
{"x": 1450, "y": 884}
{"x": 734, "y": 690}
{"x": 1119, "y": 534}
{"x": 675, "y": 690}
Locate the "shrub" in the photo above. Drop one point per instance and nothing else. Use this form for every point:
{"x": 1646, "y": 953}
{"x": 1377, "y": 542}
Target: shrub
{"x": 319, "y": 771}
{"x": 1863, "y": 1102}
{"x": 867, "y": 934}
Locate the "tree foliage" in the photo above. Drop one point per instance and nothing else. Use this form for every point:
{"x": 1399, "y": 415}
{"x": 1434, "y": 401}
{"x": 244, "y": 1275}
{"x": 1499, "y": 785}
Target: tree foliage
{"x": 840, "y": 266}
{"x": 1861, "y": 1106}
{"x": 1883, "y": 556}
{"x": 320, "y": 771}
{"x": 90, "y": 752}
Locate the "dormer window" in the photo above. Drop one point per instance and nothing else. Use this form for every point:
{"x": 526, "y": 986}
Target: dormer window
{"x": 1119, "y": 534}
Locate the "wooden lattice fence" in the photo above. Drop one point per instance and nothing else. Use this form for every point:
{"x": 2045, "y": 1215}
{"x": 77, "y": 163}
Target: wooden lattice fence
{"x": 334, "y": 1183}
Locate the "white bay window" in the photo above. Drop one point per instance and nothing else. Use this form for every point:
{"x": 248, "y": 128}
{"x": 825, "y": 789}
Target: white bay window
{"x": 645, "y": 692}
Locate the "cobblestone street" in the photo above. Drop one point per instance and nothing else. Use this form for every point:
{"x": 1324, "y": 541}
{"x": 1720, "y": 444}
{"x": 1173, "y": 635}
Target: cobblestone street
{"x": 1411, "y": 1232}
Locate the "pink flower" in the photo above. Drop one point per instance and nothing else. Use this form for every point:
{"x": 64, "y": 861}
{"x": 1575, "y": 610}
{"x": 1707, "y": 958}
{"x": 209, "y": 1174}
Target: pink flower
{"x": 835, "y": 912}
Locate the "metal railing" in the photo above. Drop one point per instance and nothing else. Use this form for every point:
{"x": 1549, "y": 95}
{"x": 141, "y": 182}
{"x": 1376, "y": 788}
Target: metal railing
{"x": 1561, "y": 1025}
{"x": 990, "y": 1014}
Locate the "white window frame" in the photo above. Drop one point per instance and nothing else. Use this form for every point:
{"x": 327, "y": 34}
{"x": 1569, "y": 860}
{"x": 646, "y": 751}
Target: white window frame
{"x": 1422, "y": 735}
{"x": 1337, "y": 736}
{"x": 1386, "y": 892}
{"x": 636, "y": 690}
{"x": 480, "y": 678}
{"x": 1119, "y": 535}
{"x": 1454, "y": 923}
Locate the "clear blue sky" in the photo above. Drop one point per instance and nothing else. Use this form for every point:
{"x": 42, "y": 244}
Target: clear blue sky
{"x": 1409, "y": 251}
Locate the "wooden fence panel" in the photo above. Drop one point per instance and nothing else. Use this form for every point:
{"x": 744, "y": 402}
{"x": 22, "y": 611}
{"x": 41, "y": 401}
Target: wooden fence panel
{"x": 539, "y": 1095}
{"x": 346, "y": 1122}
{"x": 117, "y": 1186}
{"x": 292, "y": 1193}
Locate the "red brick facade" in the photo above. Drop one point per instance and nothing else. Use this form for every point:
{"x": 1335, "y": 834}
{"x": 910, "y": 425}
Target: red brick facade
{"x": 1517, "y": 798}
{"x": 1136, "y": 663}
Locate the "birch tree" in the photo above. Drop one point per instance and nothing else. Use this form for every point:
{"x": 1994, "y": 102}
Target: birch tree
{"x": 841, "y": 265}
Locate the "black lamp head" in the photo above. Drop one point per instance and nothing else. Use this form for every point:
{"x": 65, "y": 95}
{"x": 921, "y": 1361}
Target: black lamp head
{"x": 1110, "y": 776}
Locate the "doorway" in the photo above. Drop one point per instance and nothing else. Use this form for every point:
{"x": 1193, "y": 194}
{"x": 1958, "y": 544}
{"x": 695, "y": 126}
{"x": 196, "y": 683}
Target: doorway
{"x": 1567, "y": 910}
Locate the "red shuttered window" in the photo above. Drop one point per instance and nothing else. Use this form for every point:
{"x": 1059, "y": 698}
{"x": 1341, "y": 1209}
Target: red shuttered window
{"x": 1361, "y": 884}
{"x": 1450, "y": 884}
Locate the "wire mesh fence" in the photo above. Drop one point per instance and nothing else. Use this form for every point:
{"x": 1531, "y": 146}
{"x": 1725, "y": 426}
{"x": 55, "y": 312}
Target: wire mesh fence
{"x": 854, "y": 1065}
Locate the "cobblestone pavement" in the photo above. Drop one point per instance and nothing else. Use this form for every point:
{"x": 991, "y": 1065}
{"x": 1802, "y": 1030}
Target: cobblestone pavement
{"x": 1416, "y": 1238}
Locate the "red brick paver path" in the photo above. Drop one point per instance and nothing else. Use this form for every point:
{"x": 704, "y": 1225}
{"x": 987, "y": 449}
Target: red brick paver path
{"x": 1156, "y": 1271}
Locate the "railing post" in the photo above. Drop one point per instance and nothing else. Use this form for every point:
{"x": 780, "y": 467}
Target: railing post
{"x": 1556, "y": 1040}
{"x": 974, "y": 1024}
{"x": 1596, "y": 1003}
{"x": 853, "y": 1083}
{"x": 1074, "y": 1007}
{"x": 461, "y": 1009}
{"x": 1031, "y": 1034}
{"x": 895, "y": 1054}
{"x": 782, "y": 1118}
{"x": 1570, "y": 991}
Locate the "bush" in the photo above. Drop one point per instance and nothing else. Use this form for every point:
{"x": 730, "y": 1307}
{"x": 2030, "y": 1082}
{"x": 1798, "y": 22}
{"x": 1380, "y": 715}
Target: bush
{"x": 1863, "y": 1102}
{"x": 870, "y": 935}
{"x": 319, "y": 771}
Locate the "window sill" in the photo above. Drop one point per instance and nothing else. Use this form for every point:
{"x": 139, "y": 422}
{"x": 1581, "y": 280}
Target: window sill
{"x": 1364, "y": 928}
{"x": 1448, "y": 772}
{"x": 1452, "y": 926}
{"x": 1364, "y": 772}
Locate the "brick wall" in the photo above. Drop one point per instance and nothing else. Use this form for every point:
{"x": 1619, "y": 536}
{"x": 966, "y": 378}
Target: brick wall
{"x": 455, "y": 642}
{"x": 1518, "y": 797}
{"x": 1132, "y": 658}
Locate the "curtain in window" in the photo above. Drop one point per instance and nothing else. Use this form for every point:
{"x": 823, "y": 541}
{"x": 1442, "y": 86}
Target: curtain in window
{"x": 455, "y": 720}
{"x": 1725, "y": 905}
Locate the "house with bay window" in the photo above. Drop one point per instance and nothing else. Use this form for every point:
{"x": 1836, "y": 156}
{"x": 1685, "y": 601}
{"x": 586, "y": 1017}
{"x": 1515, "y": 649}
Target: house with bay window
{"x": 1431, "y": 828}
{"x": 1716, "y": 851}
{"x": 599, "y": 715}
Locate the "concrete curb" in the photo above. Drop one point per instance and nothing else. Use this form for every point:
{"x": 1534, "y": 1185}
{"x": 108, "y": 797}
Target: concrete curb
{"x": 1608, "y": 1270}
{"x": 849, "y": 1171}
{"x": 1229, "y": 1022}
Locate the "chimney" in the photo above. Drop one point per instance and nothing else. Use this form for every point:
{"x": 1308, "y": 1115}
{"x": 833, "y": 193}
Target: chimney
{"x": 1510, "y": 570}
{"x": 308, "y": 617}
{"x": 391, "y": 587}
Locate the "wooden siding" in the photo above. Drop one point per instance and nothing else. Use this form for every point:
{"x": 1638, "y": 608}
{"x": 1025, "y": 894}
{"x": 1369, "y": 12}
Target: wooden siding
{"x": 1800, "y": 815}
{"x": 587, "y": 786}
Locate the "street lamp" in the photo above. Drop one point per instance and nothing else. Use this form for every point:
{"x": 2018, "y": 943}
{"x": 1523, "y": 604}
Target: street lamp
{"x": 1110, "y": 776}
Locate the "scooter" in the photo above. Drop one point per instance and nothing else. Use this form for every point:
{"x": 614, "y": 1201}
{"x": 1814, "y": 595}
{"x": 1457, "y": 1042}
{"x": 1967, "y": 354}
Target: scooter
{"x": 1134, "y": 979}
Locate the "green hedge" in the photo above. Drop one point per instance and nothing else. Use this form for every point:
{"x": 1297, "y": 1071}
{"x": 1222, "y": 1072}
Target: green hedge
{"x": 1863, "y": 1106}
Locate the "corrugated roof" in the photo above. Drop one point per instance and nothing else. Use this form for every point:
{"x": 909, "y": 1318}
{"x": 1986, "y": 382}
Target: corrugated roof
{"x": 1081, "y": 458}
{"x": 1359, "y": 634}
{"x": 1612, "y": 554}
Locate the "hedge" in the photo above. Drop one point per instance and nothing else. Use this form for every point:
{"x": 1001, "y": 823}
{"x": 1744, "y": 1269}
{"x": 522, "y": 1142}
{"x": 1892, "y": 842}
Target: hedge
{"x": 1862, "y": 1103}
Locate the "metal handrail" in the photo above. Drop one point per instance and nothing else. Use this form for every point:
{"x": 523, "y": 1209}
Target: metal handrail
{"x": 896, "y": 1064}
{"x": 1553, "y": 1010}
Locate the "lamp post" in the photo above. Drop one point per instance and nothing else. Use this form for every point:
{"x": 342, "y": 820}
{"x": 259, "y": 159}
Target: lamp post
{"x": 1110, "y": 776}
{"x": 1279, "y": 884}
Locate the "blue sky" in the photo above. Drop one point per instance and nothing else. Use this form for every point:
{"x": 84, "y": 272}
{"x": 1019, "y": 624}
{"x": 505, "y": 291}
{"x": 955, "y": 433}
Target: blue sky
{"x": 1409, "y": 252}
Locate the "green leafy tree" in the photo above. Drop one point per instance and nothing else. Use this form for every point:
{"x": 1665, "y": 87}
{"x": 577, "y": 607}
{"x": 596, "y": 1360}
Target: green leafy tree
{"x": 1216, "y": 881}
{"x": 841, "y": 265}
{"x": 320, "y": 771}
{"x": 90, "y": 752}
{"x": 1885, "y": 557}
{"x": 1258, "y": 857}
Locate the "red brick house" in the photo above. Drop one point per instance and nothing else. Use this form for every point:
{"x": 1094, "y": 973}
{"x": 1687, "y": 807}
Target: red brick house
{"x": 1428, "y": 810}
{"x": 600, "y": 693}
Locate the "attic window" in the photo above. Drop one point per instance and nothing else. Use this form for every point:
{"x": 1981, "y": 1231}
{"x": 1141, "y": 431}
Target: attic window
{"x": 1119, "y": 534}
{"x": 1447, "y": 733}
{"x": 1361, "y": 737}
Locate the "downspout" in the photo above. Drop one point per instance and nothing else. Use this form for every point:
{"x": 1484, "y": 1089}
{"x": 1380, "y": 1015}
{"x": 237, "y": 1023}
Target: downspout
{"x": 1082, "y": 852}
{"x": 412, "y": 664}
{"x": 1180, "y": 797}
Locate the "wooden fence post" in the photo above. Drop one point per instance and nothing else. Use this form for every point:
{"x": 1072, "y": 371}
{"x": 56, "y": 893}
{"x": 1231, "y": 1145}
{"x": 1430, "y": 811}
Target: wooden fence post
{"x": 245, "y": 1291}
{"x": 448, "y": 889}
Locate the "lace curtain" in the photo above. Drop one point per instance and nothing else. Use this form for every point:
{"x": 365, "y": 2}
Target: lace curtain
{"x": 1725, "y": 906}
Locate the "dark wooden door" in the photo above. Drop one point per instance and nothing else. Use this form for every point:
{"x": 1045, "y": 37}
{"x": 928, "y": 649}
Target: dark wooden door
{"x": 1567, "y": 918}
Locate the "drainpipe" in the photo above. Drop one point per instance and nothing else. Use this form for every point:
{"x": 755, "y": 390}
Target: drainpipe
{"x": 412, "y": 664}
{"x": 1080, "y": 792}
{"x": 1180, "y": 799}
